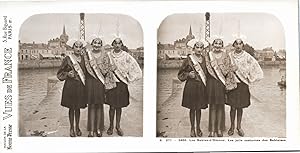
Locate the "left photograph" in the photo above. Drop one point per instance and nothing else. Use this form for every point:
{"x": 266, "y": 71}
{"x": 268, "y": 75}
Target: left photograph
{"x": 80, "y": 75}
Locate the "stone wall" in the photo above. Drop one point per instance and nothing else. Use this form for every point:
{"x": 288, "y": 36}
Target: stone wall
{"x": 36, "y": 64}
{"x": 169, "y": 63}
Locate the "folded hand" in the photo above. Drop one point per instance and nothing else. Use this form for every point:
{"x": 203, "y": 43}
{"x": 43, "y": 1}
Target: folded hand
{"x": 192, "y": 74}
{"x": 71, "y": 74}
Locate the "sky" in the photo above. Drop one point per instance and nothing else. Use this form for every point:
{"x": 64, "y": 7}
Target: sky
{"x": 261, "y": 30}
{"x": 42, "y": 27}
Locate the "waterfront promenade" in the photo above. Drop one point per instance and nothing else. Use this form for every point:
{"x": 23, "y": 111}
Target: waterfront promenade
{"x": 50, "y": 119}
{"x": 263, "y": 118}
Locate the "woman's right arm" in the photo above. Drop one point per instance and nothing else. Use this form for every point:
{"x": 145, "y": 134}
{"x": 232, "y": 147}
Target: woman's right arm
{"x": 183, "y": 74}
{"x": 62, "y": 73}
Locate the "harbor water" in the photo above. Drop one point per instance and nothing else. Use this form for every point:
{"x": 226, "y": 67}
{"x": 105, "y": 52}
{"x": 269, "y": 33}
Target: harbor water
{"x": 32, "y": 88}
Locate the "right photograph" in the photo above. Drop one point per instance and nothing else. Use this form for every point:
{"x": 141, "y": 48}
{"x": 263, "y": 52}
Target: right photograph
{"x": 221, "y": 75}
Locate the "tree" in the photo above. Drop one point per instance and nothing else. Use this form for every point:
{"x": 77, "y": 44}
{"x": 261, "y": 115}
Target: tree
{"x": 125, "y": 48}
{"x": 249, "y": 49}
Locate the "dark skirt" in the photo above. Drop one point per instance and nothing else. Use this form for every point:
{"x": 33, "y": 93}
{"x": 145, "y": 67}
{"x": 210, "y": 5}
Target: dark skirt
{"x": 94, "y": 91}
{"x": 239, "y": 97}
{"x": 118, "y": 97}
{"x": 194, "y": 95}
{"x": 215, "y": 91}
{"x": 73, "y": 94}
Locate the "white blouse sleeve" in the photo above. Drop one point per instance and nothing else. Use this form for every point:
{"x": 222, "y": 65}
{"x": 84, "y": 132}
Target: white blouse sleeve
{"x": 255, "y": 71}
{"x": 134, "y": 70}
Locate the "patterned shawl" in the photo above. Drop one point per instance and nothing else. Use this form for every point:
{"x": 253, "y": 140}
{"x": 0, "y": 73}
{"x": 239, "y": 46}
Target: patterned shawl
{"x": 127, "y": 66}
{"x": 226, "y": 69}
{"x": 105, "y": 67}
{"x": 249, "y": 70}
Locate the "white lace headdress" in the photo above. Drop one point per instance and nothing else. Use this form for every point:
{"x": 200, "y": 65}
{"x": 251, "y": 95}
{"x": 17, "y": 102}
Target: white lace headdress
{"x": 72, "y": 41}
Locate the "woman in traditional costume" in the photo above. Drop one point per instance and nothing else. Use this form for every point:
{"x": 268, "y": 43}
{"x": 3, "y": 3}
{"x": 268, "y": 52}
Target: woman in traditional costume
{"x": 127, "y": 70}
{"x": 248, "y": 71}
{"x": 219, "y": 79}
{"x": 72, "y": 71}
{"x": 98, "y": 68}
{"x": 193, "y": 71}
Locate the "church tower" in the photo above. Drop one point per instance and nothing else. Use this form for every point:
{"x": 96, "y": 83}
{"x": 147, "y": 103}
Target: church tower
{"x": 63, "y": 38}
{"x": 190, "y": 36}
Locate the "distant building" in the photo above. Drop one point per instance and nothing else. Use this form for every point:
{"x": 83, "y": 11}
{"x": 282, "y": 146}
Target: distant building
{"x": 63, "y": 38}
{"x": 179, "y": 50}
{"x": 182, "y": 43}
{"x": 31, "y": 51}
{"x": 172, "y": 53}
{"x": 140, "y": 53}
{"x": 54, "y": 45}
{"x": 267, "y": 54}
{"x": 55, "y": 48}
{"x": 259, "y": 55}
{"x": 59, "y": 45}
{"x": 164, "y": 49}
{"x": 281, "y": 55}
{"x": 137, "y": 53}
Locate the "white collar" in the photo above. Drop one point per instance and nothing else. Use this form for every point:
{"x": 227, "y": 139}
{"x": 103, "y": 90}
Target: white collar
{"x": 238, "y": 55}
{"x": 117, "y": 54}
